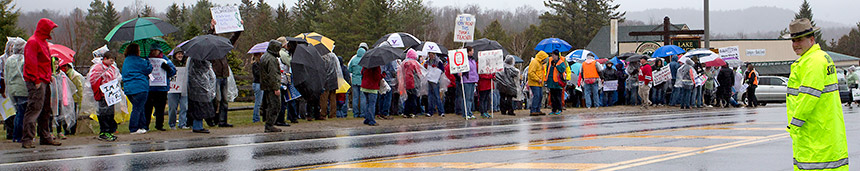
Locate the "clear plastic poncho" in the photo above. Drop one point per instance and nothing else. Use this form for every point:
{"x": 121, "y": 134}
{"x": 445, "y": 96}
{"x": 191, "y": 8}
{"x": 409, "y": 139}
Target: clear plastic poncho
{"x": 507, "y": 81}
{"x": 201, "y": 80}
{"x": 89, "y": 106}
{"x": 412, "y": 67}
{"x": 62, "y": 102}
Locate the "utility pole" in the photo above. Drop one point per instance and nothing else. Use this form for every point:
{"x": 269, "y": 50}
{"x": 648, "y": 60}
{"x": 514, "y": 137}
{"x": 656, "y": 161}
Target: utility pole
{"x": 707, "y": 25}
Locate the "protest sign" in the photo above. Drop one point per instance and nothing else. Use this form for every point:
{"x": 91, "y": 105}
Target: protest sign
{"x": 490, "y": 61}
{"x": 731, "y": 55}
{"x": 177, "y": 85}
{"x": 227, "y": 19}
{"x": 158, "y": 77}
{"x": 665, "y": 74}
{"x": 113, "y": 92}
{"x": 459, "y": 61}
{"x": 610, "y": 85}
{"x": 700, "y": 80}
{"x": 464, "y": 28}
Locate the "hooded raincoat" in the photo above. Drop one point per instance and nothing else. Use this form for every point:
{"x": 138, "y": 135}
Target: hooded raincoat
{"x": 15, "y": 85}
{"x": 537, "y": 71}
{"x": 507, "y": 81}
{"x": 410, "y": 74}
{"x": 37, "y": 54}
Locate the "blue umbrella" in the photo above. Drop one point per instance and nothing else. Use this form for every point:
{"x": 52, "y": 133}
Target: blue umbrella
{"x": 580, "y": 54}
{"x": 553, "y": 44}
{"x": 617, "y": 61}
{"x": 668, "y": 50}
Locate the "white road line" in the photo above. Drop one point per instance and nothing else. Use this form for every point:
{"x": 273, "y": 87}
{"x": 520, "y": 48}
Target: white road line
{"x": 335, "y": 138}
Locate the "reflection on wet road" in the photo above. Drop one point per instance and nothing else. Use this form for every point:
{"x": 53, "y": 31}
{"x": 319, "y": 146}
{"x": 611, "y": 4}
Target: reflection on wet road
{"x": 724, "y": 139}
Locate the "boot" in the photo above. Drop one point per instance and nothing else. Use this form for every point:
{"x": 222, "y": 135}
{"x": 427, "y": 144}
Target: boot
{"x": 49, "y": 142}
{"x": 271, "y": 128}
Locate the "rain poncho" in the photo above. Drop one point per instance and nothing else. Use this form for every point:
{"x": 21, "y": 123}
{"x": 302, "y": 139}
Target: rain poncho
{"x": 410, "y": 75}
{"x": 354, "y": 68}
{"x": 62, "y": 92}
{"x": 13, "y": 61}
{"x": 99, "y": 74}
{"x": 536, "y": 70}
{"x": 201, "y": 81}
{"x": 332, "y": 71}
{"x": 507, "y": 81}
{"x": 686, "y": 75}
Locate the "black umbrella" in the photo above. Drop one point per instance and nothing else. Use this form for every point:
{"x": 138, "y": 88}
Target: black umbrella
{"x": 207, "y": 47}
{"x": 485, "y": 45}
{"x": 626, "y": 55}
{"x": 635, "y": 58}
{"x": 398, "y": 40}
{"x": 380, "y": 56}
{"x": 307, "y": 67}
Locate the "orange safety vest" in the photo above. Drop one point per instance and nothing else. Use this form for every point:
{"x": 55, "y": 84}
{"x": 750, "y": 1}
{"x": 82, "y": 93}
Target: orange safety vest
{"x": 755, "y": 79}
{"x": 589, "y": 70}
{"x": 556, "y": 77}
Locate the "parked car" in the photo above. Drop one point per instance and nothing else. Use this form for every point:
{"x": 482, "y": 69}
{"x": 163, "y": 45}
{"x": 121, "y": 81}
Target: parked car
{"x": 771, "y": 89}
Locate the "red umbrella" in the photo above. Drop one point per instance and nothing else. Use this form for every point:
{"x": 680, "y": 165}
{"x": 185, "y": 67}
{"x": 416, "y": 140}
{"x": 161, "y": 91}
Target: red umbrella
{"x": 602, "y": 60}
{"x": 715, "y": 62}
{"x": 65, "y": 54}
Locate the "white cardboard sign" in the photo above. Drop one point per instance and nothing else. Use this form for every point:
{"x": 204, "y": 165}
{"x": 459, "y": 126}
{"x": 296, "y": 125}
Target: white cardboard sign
{"x": 227, "y": 19}
{"x": 459, "y": 61}
{"x": 610, "y": 85}
{"x": 464, "y": 28}
{"x": 663, "y": 75}
{"x": 158, "y": 77}
{"x": 113, "y": 92}
{"x": 731, "y": 55}
{"x": 490, "y": 61}
{"x": 178, "y": 83}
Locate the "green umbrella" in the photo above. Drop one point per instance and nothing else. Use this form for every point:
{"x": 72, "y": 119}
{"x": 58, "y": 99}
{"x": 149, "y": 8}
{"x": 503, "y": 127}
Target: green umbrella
{"x": 145, "y": 45}
{"x": 140, "y": 28}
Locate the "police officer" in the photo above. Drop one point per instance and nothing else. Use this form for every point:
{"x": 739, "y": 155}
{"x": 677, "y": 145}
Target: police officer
{"x": 816, "y": 124}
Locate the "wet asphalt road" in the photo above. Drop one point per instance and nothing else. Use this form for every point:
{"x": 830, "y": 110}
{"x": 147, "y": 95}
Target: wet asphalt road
{"x": 724, "y": 139}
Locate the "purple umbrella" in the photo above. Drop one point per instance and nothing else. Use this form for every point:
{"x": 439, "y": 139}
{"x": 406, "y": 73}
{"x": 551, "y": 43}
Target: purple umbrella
{"x": 259, "y": 48}
{"x": 174, "y": 49}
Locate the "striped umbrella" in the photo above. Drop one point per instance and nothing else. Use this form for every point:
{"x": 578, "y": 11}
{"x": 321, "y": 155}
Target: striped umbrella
{"x": 140, "y": 28}
{"x": 323, "y": 44}
{"x": 259, "y": 48}
{"x": 146, "y": 44}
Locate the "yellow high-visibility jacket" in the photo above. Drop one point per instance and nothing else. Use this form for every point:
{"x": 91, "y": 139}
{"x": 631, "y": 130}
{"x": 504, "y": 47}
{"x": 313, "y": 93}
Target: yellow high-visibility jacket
{"x": 816, "y": 124}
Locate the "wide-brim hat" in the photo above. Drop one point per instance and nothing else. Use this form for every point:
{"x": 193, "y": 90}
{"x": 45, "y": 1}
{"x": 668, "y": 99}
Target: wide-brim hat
{"x": 800, "y": 28}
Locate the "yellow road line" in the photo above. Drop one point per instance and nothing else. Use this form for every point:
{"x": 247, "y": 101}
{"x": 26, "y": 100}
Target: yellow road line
{"x": 688, "y": 137}
{"x": 471, "y": 165}
{"x": 741, "y": 129}
{"x": 616, "y": 148}
{"x": 669, "y": 156}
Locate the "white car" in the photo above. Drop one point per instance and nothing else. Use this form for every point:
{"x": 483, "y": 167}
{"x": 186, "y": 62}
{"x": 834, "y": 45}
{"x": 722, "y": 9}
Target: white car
{"x": 771, "y": 89}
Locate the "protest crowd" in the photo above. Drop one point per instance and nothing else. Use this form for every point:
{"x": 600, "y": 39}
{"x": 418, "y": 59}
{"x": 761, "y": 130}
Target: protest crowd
{"x": 300, "y": 78}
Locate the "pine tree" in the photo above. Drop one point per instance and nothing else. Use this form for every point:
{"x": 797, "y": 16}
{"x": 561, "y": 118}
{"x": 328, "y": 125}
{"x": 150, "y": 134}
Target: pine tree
{"x": 847, "y": 44}
{"x": 8, "y": 21}
{"x": 806, "y": 12}
{"x": 577, "y": 21}
{"x": 309, "y": 14}
{"x": 335, "y": 27}
{"x": 494, "y": 31}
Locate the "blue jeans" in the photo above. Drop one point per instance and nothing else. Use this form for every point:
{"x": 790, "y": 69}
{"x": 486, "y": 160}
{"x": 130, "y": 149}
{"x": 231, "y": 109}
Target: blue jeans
{"x": 20, "y": 109}
{"x": 657, "y": 95}
{"x": 468, "y": 90}
{"x": 258, "y": 101}
{"x": 496, "y": 98}
{"x": 175, "y": 100}
{"x": 434, "y": 101}
{"x": 609, "y": 98}
{"x": 357, "y": 99}
{"x": 137, "y": 120}
{"x": 197, "y": 125}
{"x": 633, "y": 95}
{"x": 675, "y": 96}
{"x": 383, "y": 103}
{"x": 222, "y": 104}
{"x": 537, "y": 97}
{"x": 592, "y": 97}
{"x": 369, "y": 112}
{"x": 342, "y": 107}
{"x": 697, "y": 97}
{"x": 685, "y": 97}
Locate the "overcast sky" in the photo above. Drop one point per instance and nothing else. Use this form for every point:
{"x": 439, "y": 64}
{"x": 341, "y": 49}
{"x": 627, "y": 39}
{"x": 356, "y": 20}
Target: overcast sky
{"x": 842, "y": 11}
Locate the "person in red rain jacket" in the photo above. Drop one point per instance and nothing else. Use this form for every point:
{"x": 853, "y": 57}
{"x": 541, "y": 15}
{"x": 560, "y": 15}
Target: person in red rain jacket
{"x": 37, "y": 74}
{"x": 645, "y": 82}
